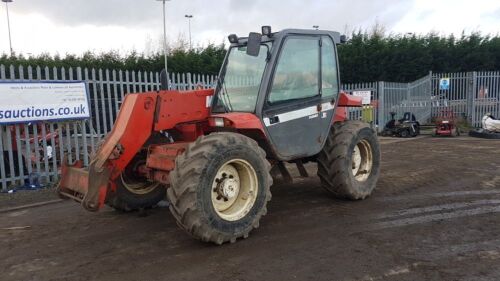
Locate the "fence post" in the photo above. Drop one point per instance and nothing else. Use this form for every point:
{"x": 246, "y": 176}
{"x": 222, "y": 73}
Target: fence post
{"x": 3, "y": 176}
{"x": 473, "y": 96}
{"x": 190, "y": 82}
{"x": 429, "y": 89}
{"x": 381, "y": 106}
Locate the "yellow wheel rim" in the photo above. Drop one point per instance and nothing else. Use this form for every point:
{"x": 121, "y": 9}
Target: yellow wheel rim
{"x": 234, "y": 189}
{"x": 136, "y": 187}
{"x": 362, "y": 160}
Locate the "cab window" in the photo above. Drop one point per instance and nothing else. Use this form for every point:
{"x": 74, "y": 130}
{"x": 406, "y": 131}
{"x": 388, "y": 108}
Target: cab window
{"x": 297, "y": 71}
{"x": 329, "y": 70}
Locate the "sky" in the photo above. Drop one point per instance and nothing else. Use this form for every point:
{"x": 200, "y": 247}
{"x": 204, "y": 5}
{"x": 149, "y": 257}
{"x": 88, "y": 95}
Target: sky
{"x": 76, "y": 26}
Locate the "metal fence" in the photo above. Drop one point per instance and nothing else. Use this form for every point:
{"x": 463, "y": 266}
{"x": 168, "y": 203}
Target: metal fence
{"x": 399, "y": 98}
{"x": 394, "y": 97}
{"x": 37, "y": 149}
{"x": 357, "y": 113}
{"x": 471, "y": 95}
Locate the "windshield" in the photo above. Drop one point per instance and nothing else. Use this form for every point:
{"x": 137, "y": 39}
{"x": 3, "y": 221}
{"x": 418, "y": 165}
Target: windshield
{"x": 239, "y": 85}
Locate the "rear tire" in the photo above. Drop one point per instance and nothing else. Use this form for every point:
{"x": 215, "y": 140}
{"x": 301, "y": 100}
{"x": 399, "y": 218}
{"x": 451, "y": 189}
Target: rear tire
{"x": 349, "y": 163}
{"x": 220, "y": 187}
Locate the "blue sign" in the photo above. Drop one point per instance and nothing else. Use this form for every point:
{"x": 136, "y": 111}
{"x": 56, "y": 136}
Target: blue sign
{"x": 444, "y": 84}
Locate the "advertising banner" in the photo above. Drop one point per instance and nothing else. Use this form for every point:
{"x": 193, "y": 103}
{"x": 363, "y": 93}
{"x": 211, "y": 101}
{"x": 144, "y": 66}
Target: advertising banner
{"x": 366, "y": 95}
{"x": 23, "y": 102}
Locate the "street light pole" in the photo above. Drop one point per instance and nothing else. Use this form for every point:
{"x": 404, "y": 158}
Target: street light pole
{"x": 164, "y": 33}
{"x": 8, "y": 25}
{"x": 189, "y": 17}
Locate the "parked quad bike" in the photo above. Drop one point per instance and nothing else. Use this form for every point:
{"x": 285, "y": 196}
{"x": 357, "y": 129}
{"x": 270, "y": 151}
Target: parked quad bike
{"x": 212, "y": 150}
{"x": 405, "y": 127}
{"x": 490, "y": 130}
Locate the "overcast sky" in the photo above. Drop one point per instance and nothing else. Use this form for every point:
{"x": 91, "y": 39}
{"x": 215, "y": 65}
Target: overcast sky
{"x": 74, "y": 26}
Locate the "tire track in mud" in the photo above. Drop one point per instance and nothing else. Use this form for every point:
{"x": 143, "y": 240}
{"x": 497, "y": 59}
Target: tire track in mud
{"x": 433, "y": 217}
{"x": 440, "y": 194}
{"x": 468, "y": 204}
{"x": 438, "y": 258}
{"x": 487, "y": 248}
{"x": 361, "y": 218}
{"x": 437, "y": 208}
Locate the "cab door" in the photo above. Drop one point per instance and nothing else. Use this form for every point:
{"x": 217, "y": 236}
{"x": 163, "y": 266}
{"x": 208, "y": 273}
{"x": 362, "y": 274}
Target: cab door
{"x": 293, "y": 108}
{"x": 330, "y": 86}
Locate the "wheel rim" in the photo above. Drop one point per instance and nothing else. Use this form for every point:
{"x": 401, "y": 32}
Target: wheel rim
{"x": 234, "y": 189}
{"x": 136, "y": 183}
{"x": 362, "y": 160}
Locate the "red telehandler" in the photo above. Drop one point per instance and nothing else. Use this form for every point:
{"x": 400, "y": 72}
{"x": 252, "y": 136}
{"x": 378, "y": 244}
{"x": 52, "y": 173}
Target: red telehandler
{"x": 277, "y": 100}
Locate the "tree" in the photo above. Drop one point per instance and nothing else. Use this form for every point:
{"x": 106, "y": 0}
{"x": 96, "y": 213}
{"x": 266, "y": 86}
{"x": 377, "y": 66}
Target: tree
{"x": 367, "y": 56}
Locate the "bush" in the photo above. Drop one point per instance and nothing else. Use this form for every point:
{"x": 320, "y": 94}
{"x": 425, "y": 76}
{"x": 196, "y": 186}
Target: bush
{"x": 365, "y": 57}
{"x": 201, "y": 61}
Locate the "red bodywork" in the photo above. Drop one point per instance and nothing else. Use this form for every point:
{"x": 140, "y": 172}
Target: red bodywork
{"x": 185, "y": 115}
{"x": 345, "y": 101}
{"x": 445, "y": 123}
{"x": 141, "y": 115}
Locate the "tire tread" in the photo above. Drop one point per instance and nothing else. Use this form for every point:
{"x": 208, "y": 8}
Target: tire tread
{"x": 184, "y": 183}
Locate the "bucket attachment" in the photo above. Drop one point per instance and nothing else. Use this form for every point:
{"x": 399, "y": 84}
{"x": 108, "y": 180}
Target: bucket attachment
{"x": 75, "y": 184}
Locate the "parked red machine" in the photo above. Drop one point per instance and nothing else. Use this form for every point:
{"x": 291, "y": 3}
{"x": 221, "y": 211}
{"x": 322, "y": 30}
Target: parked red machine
{"x": 211, "y": 151}
{"x": 446, "y": 124}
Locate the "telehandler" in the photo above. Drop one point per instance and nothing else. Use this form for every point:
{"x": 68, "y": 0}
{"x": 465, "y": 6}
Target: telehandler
{"x": 277, "y": 100}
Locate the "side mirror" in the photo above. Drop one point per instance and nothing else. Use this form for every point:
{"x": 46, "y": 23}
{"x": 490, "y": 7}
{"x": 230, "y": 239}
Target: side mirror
{"x": 343, "y": 39}
{"x": 253, "y": 44}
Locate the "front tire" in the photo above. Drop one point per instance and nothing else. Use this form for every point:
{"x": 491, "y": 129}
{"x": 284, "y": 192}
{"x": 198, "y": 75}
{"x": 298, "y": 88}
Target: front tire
{"x": 404, "y": 133}
{"x": 349, "y": 163}
{"x": 220, "y": 187}
{"x": 133, "y": 191}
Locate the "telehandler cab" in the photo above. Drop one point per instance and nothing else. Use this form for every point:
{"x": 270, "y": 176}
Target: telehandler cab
{"x": 211, "y": 151}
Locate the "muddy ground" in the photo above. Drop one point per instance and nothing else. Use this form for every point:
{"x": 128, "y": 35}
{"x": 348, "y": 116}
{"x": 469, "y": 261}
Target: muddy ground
{"x": 434, "y": 216}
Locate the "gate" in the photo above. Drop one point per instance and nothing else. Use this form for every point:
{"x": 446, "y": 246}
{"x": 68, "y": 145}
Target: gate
{"x": 398, "y": 98}
{"x": 470, "y": 95}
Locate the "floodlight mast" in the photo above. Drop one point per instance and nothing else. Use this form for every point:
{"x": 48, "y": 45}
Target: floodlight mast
{"x": 165, "y": 51}
{"x": 8, "y": 25}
